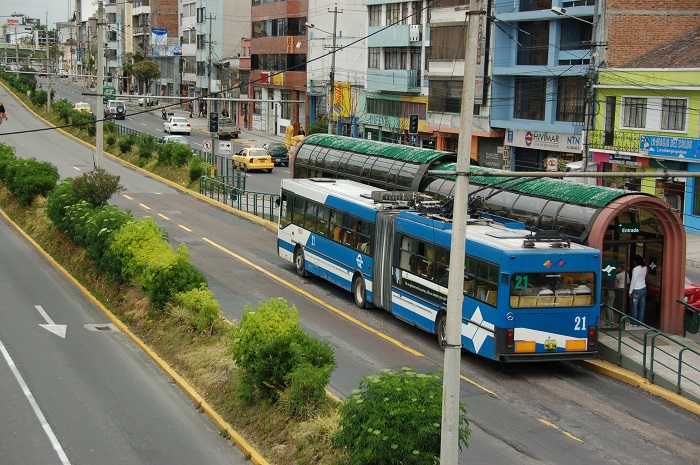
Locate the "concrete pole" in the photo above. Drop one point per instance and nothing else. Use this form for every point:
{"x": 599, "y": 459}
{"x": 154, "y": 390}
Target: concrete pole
{"x": 48, "y": 66}
{"x": 332, "y": 76}
{"x": 590, "y": 91}
{"x": 99, "y": 107}
{"x": 449, "y": 446}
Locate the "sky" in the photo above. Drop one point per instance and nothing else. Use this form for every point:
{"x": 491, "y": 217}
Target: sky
{"x": 58, "y": 10}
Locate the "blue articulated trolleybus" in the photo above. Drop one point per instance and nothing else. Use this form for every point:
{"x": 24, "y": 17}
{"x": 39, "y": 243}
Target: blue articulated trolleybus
{"x": 527, "y": 296}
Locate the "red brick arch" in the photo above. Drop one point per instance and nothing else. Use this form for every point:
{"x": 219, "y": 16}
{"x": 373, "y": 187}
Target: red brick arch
{"x": 671, "y": 317}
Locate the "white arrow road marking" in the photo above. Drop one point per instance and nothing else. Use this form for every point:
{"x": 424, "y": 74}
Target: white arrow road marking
{"x": 37, "y": 411}
{"x": 58, "y": 330}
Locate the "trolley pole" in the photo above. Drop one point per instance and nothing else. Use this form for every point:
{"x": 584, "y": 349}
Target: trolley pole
{"x": 449, "y": 445}
{"x": 99, "y": 106}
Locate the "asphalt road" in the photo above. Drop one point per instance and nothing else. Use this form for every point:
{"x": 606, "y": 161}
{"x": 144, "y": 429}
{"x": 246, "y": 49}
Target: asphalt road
{"x": 519, "y": 414}
{"x": 150, "y": 121}
{"x": 77, "y": 390}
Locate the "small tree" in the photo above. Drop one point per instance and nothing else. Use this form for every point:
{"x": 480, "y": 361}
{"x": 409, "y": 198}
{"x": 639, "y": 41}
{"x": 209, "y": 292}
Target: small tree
{"x": 96, "y": 187}
{"x": 146, "y": 70}
{"x": 395, "y": 417}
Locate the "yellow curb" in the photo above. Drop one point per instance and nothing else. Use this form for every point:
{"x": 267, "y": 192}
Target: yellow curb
{"x": 249, "y": 452}
{"x": 633, "y": 379}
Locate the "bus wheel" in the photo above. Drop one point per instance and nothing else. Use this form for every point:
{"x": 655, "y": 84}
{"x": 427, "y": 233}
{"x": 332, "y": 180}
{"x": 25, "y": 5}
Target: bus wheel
{"x": 359, "y": 291}
{"x": 441, "y": 330}
{"x": 300, "y": 261}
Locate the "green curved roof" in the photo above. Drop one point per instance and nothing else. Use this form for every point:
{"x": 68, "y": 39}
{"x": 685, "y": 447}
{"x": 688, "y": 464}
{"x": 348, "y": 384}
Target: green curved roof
{"x": 375, "y": 148}
{"x": 548, "y": 188}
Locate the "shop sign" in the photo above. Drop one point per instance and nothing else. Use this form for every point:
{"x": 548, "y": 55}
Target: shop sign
{"x": 628, "y": 228}
{"x": 491, "y": 160}
{"x": 627, "y": 160}
{"x": 379, "y": 120}
{"x": 553, "y": 141}
{"x": 679, "y": 147}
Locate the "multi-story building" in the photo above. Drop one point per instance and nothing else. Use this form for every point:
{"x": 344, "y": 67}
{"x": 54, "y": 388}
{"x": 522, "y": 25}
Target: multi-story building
{"x": 396, "y": 85}
{"x": 348, "y": 65}
{"x": 540, "y": 72}
{"x": 648, "y": 122}
{"x": 448, "y": 26}
{"x": 66, "y": 36}
{"x": 277, "y": 77}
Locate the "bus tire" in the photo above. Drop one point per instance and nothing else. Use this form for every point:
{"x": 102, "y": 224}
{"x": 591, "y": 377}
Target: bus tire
{"x": 359, "y": 291}
{"x": 300, "y": 261}
{"x": 441, "y": 330}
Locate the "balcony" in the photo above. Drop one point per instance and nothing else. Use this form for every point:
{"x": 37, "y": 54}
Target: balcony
{"x": 401, "y": 35}
{"x": 141, "y": 10}
{"x": 393, "y": 80}
{"x": 623, "y": 141}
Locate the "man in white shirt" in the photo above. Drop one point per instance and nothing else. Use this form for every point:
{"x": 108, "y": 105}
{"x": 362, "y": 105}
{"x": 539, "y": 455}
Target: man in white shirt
{"x": 638, "y": 290}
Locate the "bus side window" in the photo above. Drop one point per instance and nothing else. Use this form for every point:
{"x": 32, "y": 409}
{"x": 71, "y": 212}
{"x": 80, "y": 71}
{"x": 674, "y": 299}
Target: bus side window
{"x": 285, "y": 213}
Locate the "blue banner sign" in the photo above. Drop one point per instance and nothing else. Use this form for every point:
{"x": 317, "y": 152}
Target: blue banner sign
{"x": 677, "y": 147}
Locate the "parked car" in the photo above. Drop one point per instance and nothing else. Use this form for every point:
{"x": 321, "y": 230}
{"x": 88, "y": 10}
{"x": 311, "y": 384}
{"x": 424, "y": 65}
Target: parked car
{"x": 83, "y": 106}
{"x": 115, "y": 109}
{"x": 279, "y": 153}
{"x": 228, "y": 129}
{"x": 691, "y": 293}
{"x": 253, "y": 158}
{"x": 149, "y": 100}
{"x": 174, "y": 138}
{"x": 177, "y": 124}
{"x": 43, "y": 72}
{"x": 62, "y": 73}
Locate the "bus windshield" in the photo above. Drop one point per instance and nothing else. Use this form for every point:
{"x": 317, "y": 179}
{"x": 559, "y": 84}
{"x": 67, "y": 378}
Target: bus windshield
{"x": 552, "y": 289}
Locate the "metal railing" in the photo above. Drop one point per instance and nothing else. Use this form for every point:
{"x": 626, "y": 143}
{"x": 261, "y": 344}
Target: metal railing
{"x": 258, "y": 203}
{"x": 627, "y": 141}
{"x": 654, "y": 357}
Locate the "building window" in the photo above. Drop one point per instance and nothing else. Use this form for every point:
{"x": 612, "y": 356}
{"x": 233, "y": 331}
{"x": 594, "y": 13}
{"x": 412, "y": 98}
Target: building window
{"x": 373, "y": 57}
{"x": 610, "y": 109}
{"x": 375, "y": 15}
{"x": 201, "y": 43}
{"x": 445, "y": 96}
{"x": 201, "y": 14}
{"x": 571, "y": 99}
{"x": 393, "y": 13}
{"x": 575, "y": 34}
{"x": 417, "y": 13}
{"x": 673, "y": 113}
{"x": 533, "y": 43}
{"x": 445, "y": 43}
{"x": 634, "y": 112}
{"x": 201, "y": 68}
{"x": 394, "y": 58}
{"x": 530, "y": 97}
{"x": 534, "y": 5}
{"x": 286, "y": 105}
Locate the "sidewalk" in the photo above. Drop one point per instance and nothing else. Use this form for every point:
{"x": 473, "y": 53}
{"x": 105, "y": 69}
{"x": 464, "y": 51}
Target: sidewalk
{"x": 692, "y": 253}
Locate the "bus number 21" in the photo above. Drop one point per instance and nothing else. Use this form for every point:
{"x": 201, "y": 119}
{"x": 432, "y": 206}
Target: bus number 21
{"x": 580, "y": 323}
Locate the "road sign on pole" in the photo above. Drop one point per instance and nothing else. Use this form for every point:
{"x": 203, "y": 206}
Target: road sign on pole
{"x": 108, "y": 93}
{"x": 206, "y": 145}
{"x": 225, "y": 148}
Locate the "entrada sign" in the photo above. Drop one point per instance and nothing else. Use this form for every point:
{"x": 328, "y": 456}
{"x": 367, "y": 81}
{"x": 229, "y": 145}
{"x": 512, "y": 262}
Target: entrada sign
{"x": 628, "y": 228}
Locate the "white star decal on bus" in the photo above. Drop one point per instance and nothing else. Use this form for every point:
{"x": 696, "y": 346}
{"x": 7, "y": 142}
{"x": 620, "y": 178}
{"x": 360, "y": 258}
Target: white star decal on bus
{"x": 358, "y": 260}
{"x": 475, "y": 332}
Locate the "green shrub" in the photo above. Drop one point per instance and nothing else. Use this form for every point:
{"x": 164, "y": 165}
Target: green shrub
{"x": 97, "y": 187}
{"x": 7, "y": 157}
{"x": 167, "y": 274}
{"x": 61, "y": 197}
{"x": 111, "y": 139}
{"x": 134, "y": 245}
{"x": 395, "y": 417}
{"x": 98, "y": 232}
{"x": 146, "y": 146}
{"x": 28, "y": 178}
{"x": 200, "y": 309}
{"x": 259, "y": 326}
{"x": 110, "y": 128}
{"x": 125, "y": 143}
{"x": 197, "y": 168}
{"x": 63, "y": 109}
{"x": 38, "y": 97}
{"x": 293, "y": 366}
{"x": 84, "y": 121}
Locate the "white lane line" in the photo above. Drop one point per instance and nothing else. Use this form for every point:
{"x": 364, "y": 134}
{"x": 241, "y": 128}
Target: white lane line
{"x": 37, "y": 411}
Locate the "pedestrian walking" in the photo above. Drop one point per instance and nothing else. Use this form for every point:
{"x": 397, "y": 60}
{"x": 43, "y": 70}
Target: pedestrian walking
{"x": 3, "y": 115}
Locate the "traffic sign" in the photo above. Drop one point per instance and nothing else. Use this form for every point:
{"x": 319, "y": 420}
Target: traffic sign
{"x": 206, "y": 145}
{"x": 225, "y": 148}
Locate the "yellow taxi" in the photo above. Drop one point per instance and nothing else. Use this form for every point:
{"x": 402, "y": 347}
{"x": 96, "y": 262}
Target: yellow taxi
{"x": 83, "y": 106}
{"x": 253, "y": 158}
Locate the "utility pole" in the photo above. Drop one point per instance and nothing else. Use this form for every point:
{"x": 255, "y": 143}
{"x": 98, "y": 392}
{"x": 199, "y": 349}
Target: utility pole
{"x": 214, "y": 110}
{"x": 99, "y": 106}
{"x": 589, "y": 113}
{"x": 449, "y": 439}
{"x": 332, "y": 76}
{"x": 48, "y": 67}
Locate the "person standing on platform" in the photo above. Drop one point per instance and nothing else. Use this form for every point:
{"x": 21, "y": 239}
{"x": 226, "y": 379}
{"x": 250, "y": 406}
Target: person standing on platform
{"x": 638, "y": 290}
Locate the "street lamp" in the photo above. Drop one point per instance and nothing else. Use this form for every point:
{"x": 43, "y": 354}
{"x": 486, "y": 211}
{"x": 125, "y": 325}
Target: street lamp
{"x": 559, "y": 11}
{"x": 332, "y": 74}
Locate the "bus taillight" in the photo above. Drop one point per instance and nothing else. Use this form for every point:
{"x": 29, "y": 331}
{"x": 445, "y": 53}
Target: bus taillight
{"x": 510, "y": 340}
{"x": 592, "y": 337}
